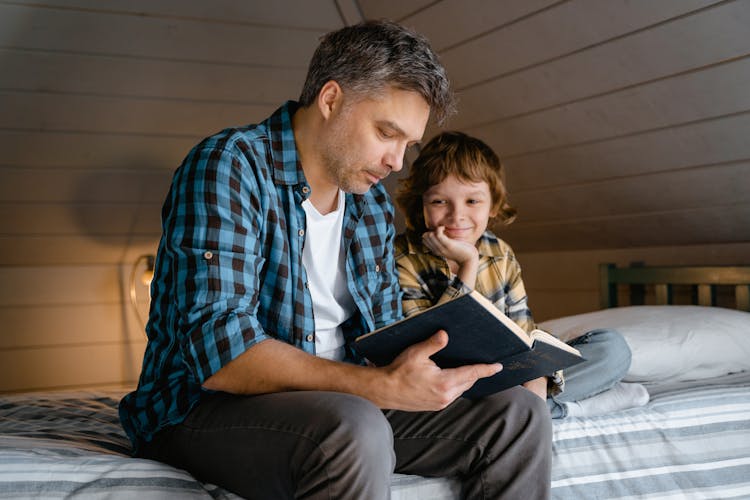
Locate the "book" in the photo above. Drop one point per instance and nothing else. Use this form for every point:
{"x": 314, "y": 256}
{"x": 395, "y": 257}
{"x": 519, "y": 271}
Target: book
{"x": 478, "y": 332}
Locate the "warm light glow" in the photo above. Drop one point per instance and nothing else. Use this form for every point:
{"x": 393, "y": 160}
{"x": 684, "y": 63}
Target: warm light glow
{"x": 147, "y": 276}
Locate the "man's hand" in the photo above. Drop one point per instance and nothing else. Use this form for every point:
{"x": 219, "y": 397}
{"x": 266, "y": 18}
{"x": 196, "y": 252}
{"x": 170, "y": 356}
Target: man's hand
{"x": 416, "y": 383}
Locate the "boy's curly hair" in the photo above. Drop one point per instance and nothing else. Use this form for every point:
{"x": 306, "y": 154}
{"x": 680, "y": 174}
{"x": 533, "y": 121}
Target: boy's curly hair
{"x": 458, "y": 154}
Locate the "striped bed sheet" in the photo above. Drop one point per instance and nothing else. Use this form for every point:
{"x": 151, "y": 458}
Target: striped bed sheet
{"x": 691, "y": 441}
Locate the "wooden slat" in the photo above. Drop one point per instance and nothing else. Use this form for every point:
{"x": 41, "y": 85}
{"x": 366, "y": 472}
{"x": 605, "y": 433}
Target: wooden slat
{"x": 716, "y": 91}
{"x": 391, "y": 9}
{"x": 84, "y": 185}
{"x": 451, "y": 22}
{"x": 150, "y": 37}
{"x": 608, "y": 289}
{"x": 123, "y": 115}
{"x": 624, "y": 63}
{"x": 32, "y": 149}
{"x": 658, "y": 150}
{"x": 660, "y": 192}
{"x": 539, "y": 38}
{"x": 69, "y": 250}
{"x": 58, "y": 367}
{"x": 81, "y": 219}
{"x": 41, "y": 326}
{"x": 706, "y": 295}
{"x": 307, "y": 14}
{"x": 173, "y": 80}
{"x": 663, "y": 294}
{"x": 668, "y": 228}
{"x": 742, "y": 295}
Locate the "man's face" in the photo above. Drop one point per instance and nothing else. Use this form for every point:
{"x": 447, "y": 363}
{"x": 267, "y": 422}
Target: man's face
{"x": 366, "y": 138}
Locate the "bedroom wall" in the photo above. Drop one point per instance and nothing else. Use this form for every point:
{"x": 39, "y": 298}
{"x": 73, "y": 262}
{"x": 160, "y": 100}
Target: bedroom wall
{"x": 567, "y": 282}
{"x": 636, "y": 111}
{"x": 99, "y": 103}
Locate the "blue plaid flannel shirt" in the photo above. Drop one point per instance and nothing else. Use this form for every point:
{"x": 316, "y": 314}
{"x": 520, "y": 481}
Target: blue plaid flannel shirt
{"x": 229, "y": 268}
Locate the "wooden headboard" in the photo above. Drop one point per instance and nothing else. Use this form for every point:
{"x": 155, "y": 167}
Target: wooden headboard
{"x": 703, "y": 281}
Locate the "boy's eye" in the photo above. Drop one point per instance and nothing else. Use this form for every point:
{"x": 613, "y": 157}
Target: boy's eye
{"x": 436, "y": 202}
{"x": 385, "y": 134}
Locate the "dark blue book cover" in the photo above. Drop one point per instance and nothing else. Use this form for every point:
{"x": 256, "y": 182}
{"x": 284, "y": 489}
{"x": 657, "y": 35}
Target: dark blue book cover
{"x": 477, "y": 333}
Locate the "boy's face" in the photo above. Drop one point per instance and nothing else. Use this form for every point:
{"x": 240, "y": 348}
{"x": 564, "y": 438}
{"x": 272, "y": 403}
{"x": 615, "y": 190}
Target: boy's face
{"x": 462, "y": 208}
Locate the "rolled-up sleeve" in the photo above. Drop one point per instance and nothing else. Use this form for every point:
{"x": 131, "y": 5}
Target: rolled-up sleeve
{"x": 216, "y": 258}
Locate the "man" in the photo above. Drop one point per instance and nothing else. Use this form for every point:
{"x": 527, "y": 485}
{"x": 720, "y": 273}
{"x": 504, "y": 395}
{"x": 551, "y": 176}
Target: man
{"x": 277, "y": 251}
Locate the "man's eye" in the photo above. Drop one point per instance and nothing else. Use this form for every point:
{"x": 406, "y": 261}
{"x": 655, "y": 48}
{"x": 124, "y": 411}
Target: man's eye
{"x": 385, "y": 134}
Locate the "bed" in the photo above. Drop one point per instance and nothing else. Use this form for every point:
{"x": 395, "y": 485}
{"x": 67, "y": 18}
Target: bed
{"x": 692, "y": 440}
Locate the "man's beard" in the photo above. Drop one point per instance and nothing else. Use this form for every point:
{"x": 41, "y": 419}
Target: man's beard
{"x": 340, "y": 163}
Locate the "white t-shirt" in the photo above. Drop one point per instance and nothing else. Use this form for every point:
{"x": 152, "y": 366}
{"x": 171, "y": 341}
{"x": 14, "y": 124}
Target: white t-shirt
{"x": 326, "y": 276}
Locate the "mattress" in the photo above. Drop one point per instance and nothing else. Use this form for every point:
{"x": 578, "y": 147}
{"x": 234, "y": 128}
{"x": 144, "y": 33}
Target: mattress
{"x": 691, "y": 441}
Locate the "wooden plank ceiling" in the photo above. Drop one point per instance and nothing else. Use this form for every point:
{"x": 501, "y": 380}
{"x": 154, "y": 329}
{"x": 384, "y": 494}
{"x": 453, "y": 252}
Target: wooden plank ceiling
{"x": 621, "y": 123}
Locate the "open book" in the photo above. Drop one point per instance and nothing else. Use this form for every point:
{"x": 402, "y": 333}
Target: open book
{"x": 477, "y": 333}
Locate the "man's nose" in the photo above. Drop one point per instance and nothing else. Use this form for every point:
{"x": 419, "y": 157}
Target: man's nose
{"x": 395, "y": 158}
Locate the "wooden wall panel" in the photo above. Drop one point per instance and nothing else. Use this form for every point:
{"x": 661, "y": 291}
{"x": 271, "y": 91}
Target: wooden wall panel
{"x": 182, "y": 81}
{"x": 644, "y": 194}
{"x": 664, "y": 52}
{"x": 703, "y": 225}
{"x": 395, "y": 10}
{"x": 95, "y": 220}
{"x": 452, "y": 22}
{"x": 93, "y": 185}
{"x": 714, "y": 92}
{"x": 108, "y": 33}
{"x": 65, "y": 150}
{"x": 36, "y": 326}
{"x": 316, "y": 15}
{"x": 71, "y": 366}
{"x": 541, "y": 37}
{"x": 70, "y": 326}
{"x": 707, "y": 142}
{"x": 123, "y": 115}
{"x": 71, "y": 250}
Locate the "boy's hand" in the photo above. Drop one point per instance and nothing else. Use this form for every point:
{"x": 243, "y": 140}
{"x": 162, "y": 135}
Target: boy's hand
{"x": 456, "y": 250}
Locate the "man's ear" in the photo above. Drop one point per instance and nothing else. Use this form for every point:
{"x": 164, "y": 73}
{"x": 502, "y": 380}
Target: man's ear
{"x": 329, "y": 98}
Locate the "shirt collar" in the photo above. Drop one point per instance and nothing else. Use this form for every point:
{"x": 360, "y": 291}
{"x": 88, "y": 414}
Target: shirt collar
{"x": 287, "y": 168}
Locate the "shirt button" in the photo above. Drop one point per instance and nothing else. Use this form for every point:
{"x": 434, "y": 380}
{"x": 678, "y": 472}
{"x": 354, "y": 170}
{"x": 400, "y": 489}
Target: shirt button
{"x": 301, "y": 232}
{"x": 377, "y": 268}
{"x": 208, "y": 255}
{"x": 305, "y": 189}
{"x": 309, "y": 338}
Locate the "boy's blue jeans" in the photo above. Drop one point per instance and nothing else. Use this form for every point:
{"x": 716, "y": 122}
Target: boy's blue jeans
{"x": 607, "y": 361}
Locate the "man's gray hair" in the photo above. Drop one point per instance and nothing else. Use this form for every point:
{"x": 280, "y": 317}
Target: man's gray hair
{"x": 368, "y": 57}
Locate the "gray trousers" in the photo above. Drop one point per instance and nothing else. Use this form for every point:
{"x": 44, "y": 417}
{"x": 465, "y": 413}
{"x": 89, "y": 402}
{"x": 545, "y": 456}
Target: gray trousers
{"x": 333, "y": 446}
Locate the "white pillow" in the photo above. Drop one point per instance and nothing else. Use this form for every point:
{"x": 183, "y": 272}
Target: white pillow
{"x": 670, "y": 343}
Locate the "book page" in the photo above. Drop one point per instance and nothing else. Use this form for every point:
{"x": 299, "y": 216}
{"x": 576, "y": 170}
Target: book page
{"x": 548, "y": 338}
{"x": 509, "y": 323}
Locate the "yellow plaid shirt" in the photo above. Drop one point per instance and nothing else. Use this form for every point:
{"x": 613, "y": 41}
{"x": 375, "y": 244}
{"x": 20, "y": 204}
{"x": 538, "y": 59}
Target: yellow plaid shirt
{"x": 426, "y": 280}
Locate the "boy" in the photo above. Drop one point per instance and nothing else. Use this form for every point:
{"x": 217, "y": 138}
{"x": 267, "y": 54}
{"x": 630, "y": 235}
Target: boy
{"x": 454, "y": 189}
